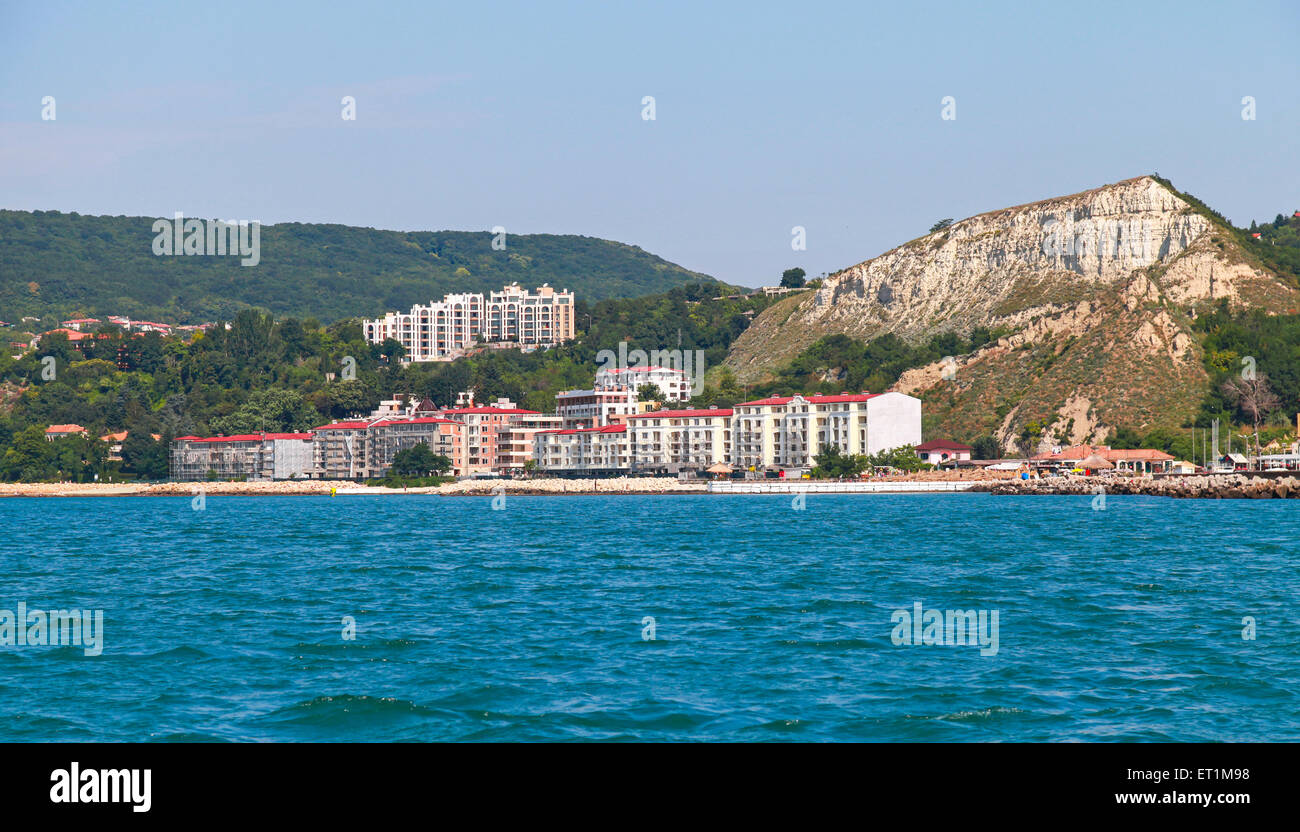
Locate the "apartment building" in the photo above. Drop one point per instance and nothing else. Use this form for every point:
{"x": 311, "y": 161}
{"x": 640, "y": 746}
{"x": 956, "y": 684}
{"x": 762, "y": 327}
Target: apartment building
{"x": 253, "y": 456}
{"x": 442, "y": 330}
{"x": 515, "y": 443}
{"x": 675, "y": 384}
{"x": 490, "y": 430}
{"x": 597, "y": 407}
{"x": 789, "y": 431}
{"x": 362, "y": 449}
{"x": 583, "y": 451}
{"x": 675, "y": 440}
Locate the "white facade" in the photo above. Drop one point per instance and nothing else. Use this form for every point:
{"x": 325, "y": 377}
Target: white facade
{"x": 790, "y": 431}
{"x": 675, "y": 384}
{"x": 583, "y": 450}
{"x": 595, "y": 408}
{"x": 444, "y": 329}
{"x": 675, "y": 440}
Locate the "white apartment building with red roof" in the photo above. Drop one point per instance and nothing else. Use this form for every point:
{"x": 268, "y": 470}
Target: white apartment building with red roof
{"x": 790, "y": 431}
{"x": 585, "y": 451}
{"x": 675, "y": 384}
{"x": 675, "y": 440}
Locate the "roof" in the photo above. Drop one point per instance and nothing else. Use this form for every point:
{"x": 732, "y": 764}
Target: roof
{"x": 682, "y": 414}
{"x": 484, "y": 409}
{"x": 65, "y": 429}
{"x": 1110, "y": 454}
{"x": 73, "y": 335}
{"x": 833, "y": 398}
{"x": 605, "y": 429}
{"x": 245, "y": 437}
{"x": 643, "y": 370}
{"x": 942, "y": 445}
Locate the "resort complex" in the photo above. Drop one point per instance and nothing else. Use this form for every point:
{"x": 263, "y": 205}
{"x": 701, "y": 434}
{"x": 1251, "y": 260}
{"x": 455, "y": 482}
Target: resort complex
{"x": 447, "y": 329}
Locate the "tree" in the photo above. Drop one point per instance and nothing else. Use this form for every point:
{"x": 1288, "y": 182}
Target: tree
{"x": 986, "y": 447}
{"x": 903, "y": 458}
{"x": 419, "y": 461}
{"x": 941, "y": 225}
{"x": 144, "y": 456}
{"x": 793, "y": 278}
{"x": 1252, "y": 396}
{"x": 273, "y": 411}
{"x": 650, "y": 393}
{"x": 831, "y": 462}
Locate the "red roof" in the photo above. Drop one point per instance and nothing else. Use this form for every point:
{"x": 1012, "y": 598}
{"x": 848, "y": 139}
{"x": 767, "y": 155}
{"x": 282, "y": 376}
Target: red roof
{"x": 835, "y": 398}
{"x": 605, "y": 429}
{"x": 73, "y": 335}
{"x": 65, "y": 429}
{"x": 484, "y": 409}
{"x": 682, "y": 414}
{"x": 354, "y": 425}
{"x": 1079, "y": 452}
{"x": 246, "y": 437}
{"x": 643, "y": 370}
{"x": 942, "y": 445}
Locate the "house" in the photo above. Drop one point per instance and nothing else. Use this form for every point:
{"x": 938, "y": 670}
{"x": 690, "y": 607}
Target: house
{"x": 583, "y": 451}
{"x": 115, "y": 442}
{"x": 941, "y": 451}
{"x": 1134, "y": 460}
{"x": 1235, "y": 462}
{"x": 254, "y": 456}
{"x": 60, "y": 431}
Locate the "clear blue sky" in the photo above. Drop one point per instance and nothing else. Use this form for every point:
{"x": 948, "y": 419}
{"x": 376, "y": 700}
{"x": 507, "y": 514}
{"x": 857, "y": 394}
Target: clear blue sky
{"x": 528, "y": 116}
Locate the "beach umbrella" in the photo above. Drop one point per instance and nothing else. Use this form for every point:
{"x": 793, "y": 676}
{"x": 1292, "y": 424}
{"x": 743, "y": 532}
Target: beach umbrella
{"x": 1096, "y": 462}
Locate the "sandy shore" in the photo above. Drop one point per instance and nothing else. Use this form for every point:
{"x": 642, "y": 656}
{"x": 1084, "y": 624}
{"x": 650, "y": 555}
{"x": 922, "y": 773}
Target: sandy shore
{"x": 344, "y": 488}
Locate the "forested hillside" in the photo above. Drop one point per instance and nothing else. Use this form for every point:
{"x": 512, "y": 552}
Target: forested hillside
{"x": 58, "y": 264}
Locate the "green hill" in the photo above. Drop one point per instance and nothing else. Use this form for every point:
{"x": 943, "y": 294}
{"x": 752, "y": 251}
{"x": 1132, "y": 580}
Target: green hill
{"x": 52, "y": 263}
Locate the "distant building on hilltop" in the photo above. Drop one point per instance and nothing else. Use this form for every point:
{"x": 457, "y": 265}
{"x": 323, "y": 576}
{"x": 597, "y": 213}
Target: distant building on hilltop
{"x": 445, "y": 329}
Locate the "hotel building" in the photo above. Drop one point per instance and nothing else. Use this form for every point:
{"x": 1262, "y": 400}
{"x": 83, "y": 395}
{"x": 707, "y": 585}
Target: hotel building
{"x": 675, "y": 384}
{"x": 595, "y": 408}
{"x": 586, "y": 451}
{"x": 445, "y": 329}
{"x": 789, "y": 431}
{"x": 675, "y": 440}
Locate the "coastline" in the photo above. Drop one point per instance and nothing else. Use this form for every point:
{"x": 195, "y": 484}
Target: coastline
{"x": 1216, "y": 486}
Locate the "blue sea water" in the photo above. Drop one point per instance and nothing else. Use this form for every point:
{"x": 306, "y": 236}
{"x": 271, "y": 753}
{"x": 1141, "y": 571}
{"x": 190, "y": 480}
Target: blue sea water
{"x": 526, "y": 623}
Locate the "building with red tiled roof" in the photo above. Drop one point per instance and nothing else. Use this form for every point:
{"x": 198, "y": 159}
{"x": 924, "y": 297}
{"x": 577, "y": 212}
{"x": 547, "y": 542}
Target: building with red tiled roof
{"x": 788, "y": 432}
{"x": 671, "y": 441}
{"x": 583, "y": 451}
{"x": 1137, "y": 460}
{"x": 60, "y": 431}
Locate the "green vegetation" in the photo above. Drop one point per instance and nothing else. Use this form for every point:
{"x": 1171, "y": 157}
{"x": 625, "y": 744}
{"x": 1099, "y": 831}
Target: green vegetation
{"x": 1278, "y": 246}
{"x": 838, "y": 362}
{"x": 793, "y": 278}
{"x": 419, "y": 461}
{"x": 287, "y": 376}
{"x": 833, "y": 463}
{"x": 60, "y": 265}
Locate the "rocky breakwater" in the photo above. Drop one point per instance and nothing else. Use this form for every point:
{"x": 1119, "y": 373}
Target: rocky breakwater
{"x": 1211, "y": 487}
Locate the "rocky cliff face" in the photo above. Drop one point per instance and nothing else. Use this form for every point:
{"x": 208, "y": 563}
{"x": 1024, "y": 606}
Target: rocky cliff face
{"x": 1111, "y": 275}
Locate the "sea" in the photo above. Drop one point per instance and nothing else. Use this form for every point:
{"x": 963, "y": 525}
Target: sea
{"x": 736, "y": 618}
